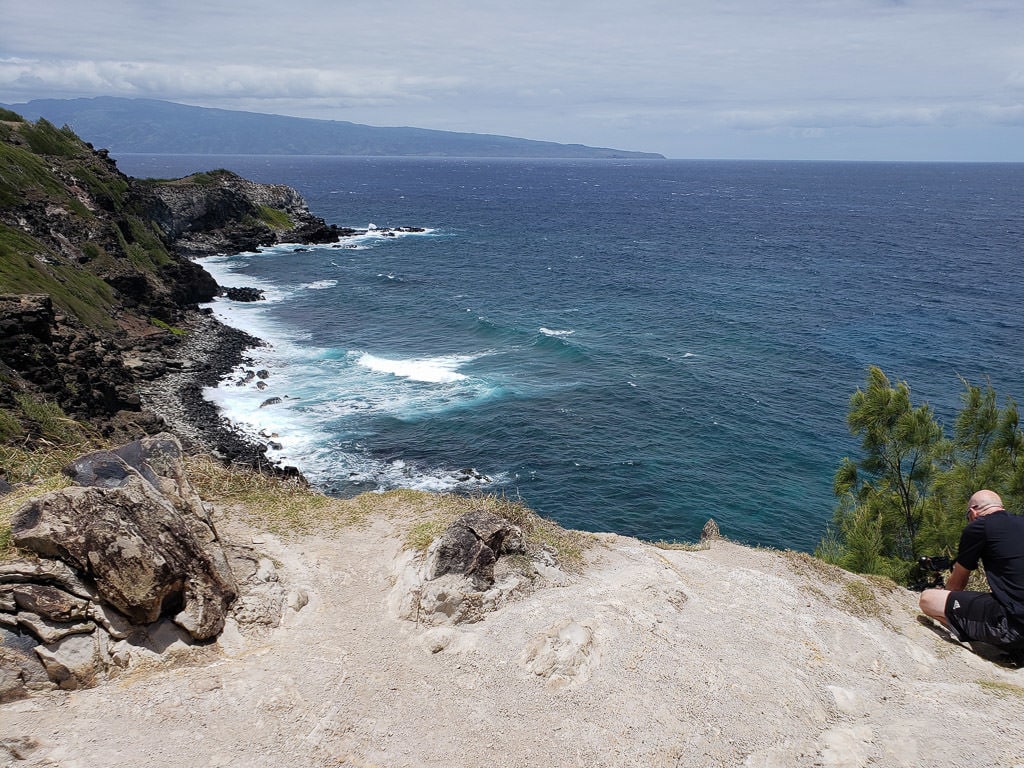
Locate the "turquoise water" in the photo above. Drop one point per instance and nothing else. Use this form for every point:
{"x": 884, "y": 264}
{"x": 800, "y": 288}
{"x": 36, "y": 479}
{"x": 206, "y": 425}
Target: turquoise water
{"x": 629, "y": 346}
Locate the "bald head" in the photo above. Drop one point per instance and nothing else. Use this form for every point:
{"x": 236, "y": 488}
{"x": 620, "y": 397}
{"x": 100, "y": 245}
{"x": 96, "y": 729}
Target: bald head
{"x": 984, "y": 502}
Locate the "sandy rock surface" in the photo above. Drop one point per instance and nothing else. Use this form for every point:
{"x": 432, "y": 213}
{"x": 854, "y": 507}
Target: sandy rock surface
{"x": 728, "y": 656}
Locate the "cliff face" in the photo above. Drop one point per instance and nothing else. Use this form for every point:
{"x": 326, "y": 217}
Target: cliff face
{"x": 95, "y": 270}
{"x": 219, "y": 211}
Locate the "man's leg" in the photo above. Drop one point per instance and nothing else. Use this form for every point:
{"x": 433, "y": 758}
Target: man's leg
{"x": 933, "y": 604}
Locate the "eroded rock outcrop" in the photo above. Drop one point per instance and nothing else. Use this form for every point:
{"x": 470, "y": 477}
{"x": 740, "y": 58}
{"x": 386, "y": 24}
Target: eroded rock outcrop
{"x": 129, "y": 562}
{"x": 461, "y": 577}
{"x": 81, "y": 371}
{"x": 220, "y": 212}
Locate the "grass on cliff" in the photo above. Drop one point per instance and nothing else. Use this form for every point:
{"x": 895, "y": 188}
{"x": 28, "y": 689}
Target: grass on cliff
{"x": 33, "y": 473}
{"x": 33, "y": 465}
{"x": 24, "y": 174}
{"x": 274, "y": 218}
{"x": 286, "y": 506}
{"x": 26, "y": 266}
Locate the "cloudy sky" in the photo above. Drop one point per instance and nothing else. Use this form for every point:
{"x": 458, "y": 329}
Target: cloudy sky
{"x": 778, "y": 79}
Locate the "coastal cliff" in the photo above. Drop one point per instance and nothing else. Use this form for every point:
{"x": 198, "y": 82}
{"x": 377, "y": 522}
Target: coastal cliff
{"x": 98, "y": 291}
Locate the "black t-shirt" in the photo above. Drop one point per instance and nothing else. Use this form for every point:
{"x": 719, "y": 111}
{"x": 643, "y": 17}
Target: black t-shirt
{"x": 997, "y": 539}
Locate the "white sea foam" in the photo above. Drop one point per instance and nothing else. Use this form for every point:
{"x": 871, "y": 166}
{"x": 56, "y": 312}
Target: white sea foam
{"x": 551, "y": 332}
{"x": 317, "y": 427}
{"x": 313, "y": 406}
{"x": 225, "y": 270}
{"x": 435, "y": 370}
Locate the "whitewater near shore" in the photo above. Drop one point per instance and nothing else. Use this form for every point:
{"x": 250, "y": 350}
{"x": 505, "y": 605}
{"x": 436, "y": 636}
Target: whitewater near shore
{"x": 650, "y": 657}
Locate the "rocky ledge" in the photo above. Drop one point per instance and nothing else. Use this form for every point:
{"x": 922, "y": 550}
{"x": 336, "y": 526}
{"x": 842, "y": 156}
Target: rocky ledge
{"x": 126, "y": 563}
{"x": 220, "y": 212}
{"x": 125, "y": 566}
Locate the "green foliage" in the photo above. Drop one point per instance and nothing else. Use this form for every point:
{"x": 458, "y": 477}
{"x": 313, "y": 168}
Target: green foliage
{"x": 54, "y": 425}
{"x": 8, "y": 116}
{"x": 888, "y": 485}
{"x": 275, "y": 218}
{"x": 27, "y": 266}
{"x": 142, "y": 245}
{"x": 906, "y": 496}
{"x": 110, "y": 190}
{"x": 46, "y": 139}
{"x": 10, "y": 426}
{"x": 34, "y": 473}
{"x": 168, "y": 327}
{"x": 202, "y": 178}
{"x": 25, "y": 175}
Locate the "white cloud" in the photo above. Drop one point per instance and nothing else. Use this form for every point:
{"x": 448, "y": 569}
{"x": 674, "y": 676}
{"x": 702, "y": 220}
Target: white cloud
{"x": 594, "y": 71}
{"x": 254, "y": 82}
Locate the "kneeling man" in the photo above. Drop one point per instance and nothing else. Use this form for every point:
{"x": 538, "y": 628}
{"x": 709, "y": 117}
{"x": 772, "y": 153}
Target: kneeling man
{"x": 996, "y": 538}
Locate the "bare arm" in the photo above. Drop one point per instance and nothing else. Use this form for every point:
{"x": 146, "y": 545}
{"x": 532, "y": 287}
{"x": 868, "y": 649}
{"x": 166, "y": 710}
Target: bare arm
{"x": 958, "y": 579}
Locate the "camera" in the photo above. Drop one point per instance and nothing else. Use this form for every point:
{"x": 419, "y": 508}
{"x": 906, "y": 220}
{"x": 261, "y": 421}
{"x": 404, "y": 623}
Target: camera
{"x": 930, "y": 572}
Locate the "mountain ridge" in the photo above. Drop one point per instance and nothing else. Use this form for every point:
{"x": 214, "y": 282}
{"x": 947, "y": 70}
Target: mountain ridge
{"x": 152, "y": 126}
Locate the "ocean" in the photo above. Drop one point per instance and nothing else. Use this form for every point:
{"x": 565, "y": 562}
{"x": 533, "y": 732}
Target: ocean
{"x": 628, "y": 346}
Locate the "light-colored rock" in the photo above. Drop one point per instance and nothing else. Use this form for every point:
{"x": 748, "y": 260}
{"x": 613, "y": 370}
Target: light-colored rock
{"x": 158, "y": 642}
{"x": 563, "y": 654}
{"x": 51, "y": 631}
{"x": 297, "y": 599}
{"x": 265, "y": 570}
{"x": 20, "y": 669}
{"x": 72, "y": 662}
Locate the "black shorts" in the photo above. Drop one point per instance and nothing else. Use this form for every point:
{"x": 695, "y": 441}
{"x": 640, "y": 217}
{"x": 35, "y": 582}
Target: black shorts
{"x": 979, "y": 616}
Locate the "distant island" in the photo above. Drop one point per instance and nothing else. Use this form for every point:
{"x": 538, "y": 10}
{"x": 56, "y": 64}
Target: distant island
{"x": 149, "y": 126}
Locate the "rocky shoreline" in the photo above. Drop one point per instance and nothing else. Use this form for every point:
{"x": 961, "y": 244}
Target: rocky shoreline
{"x": 208, "y": 352}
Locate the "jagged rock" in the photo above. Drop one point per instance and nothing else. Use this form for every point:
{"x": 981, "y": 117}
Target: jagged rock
{"x": 243, "y": 294}
{"x": 49, "y": 602}
{"x": 131, "y": 569}
{"x": 147, "y": 555}
{"x": 51, "y": 631}
{"x": 45, "y": 572}
{"x": 65, "y": 361}
{"x": 75, "y": 661}
{"x": 448, "y": 599}
{"x": 457, "y": 581}
{"x": 471, "y": 546}
{"x": 262, "y": 605}
{"x": 20, "y": 668}
{"x": 564, "y": 654}
{"x": 270, "y": 401}
{"x": 710, "y": 531}
{"x": 203, "y": 218}
{"x": 154, "y": 642}
{"x": 117, "y": 625}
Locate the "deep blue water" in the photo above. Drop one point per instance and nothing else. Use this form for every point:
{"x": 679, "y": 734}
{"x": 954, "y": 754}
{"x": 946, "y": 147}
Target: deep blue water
{"x": 632, "y": 346}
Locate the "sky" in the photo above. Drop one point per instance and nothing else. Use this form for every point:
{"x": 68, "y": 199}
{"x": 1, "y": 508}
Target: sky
{"x": 730, "y": 79}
